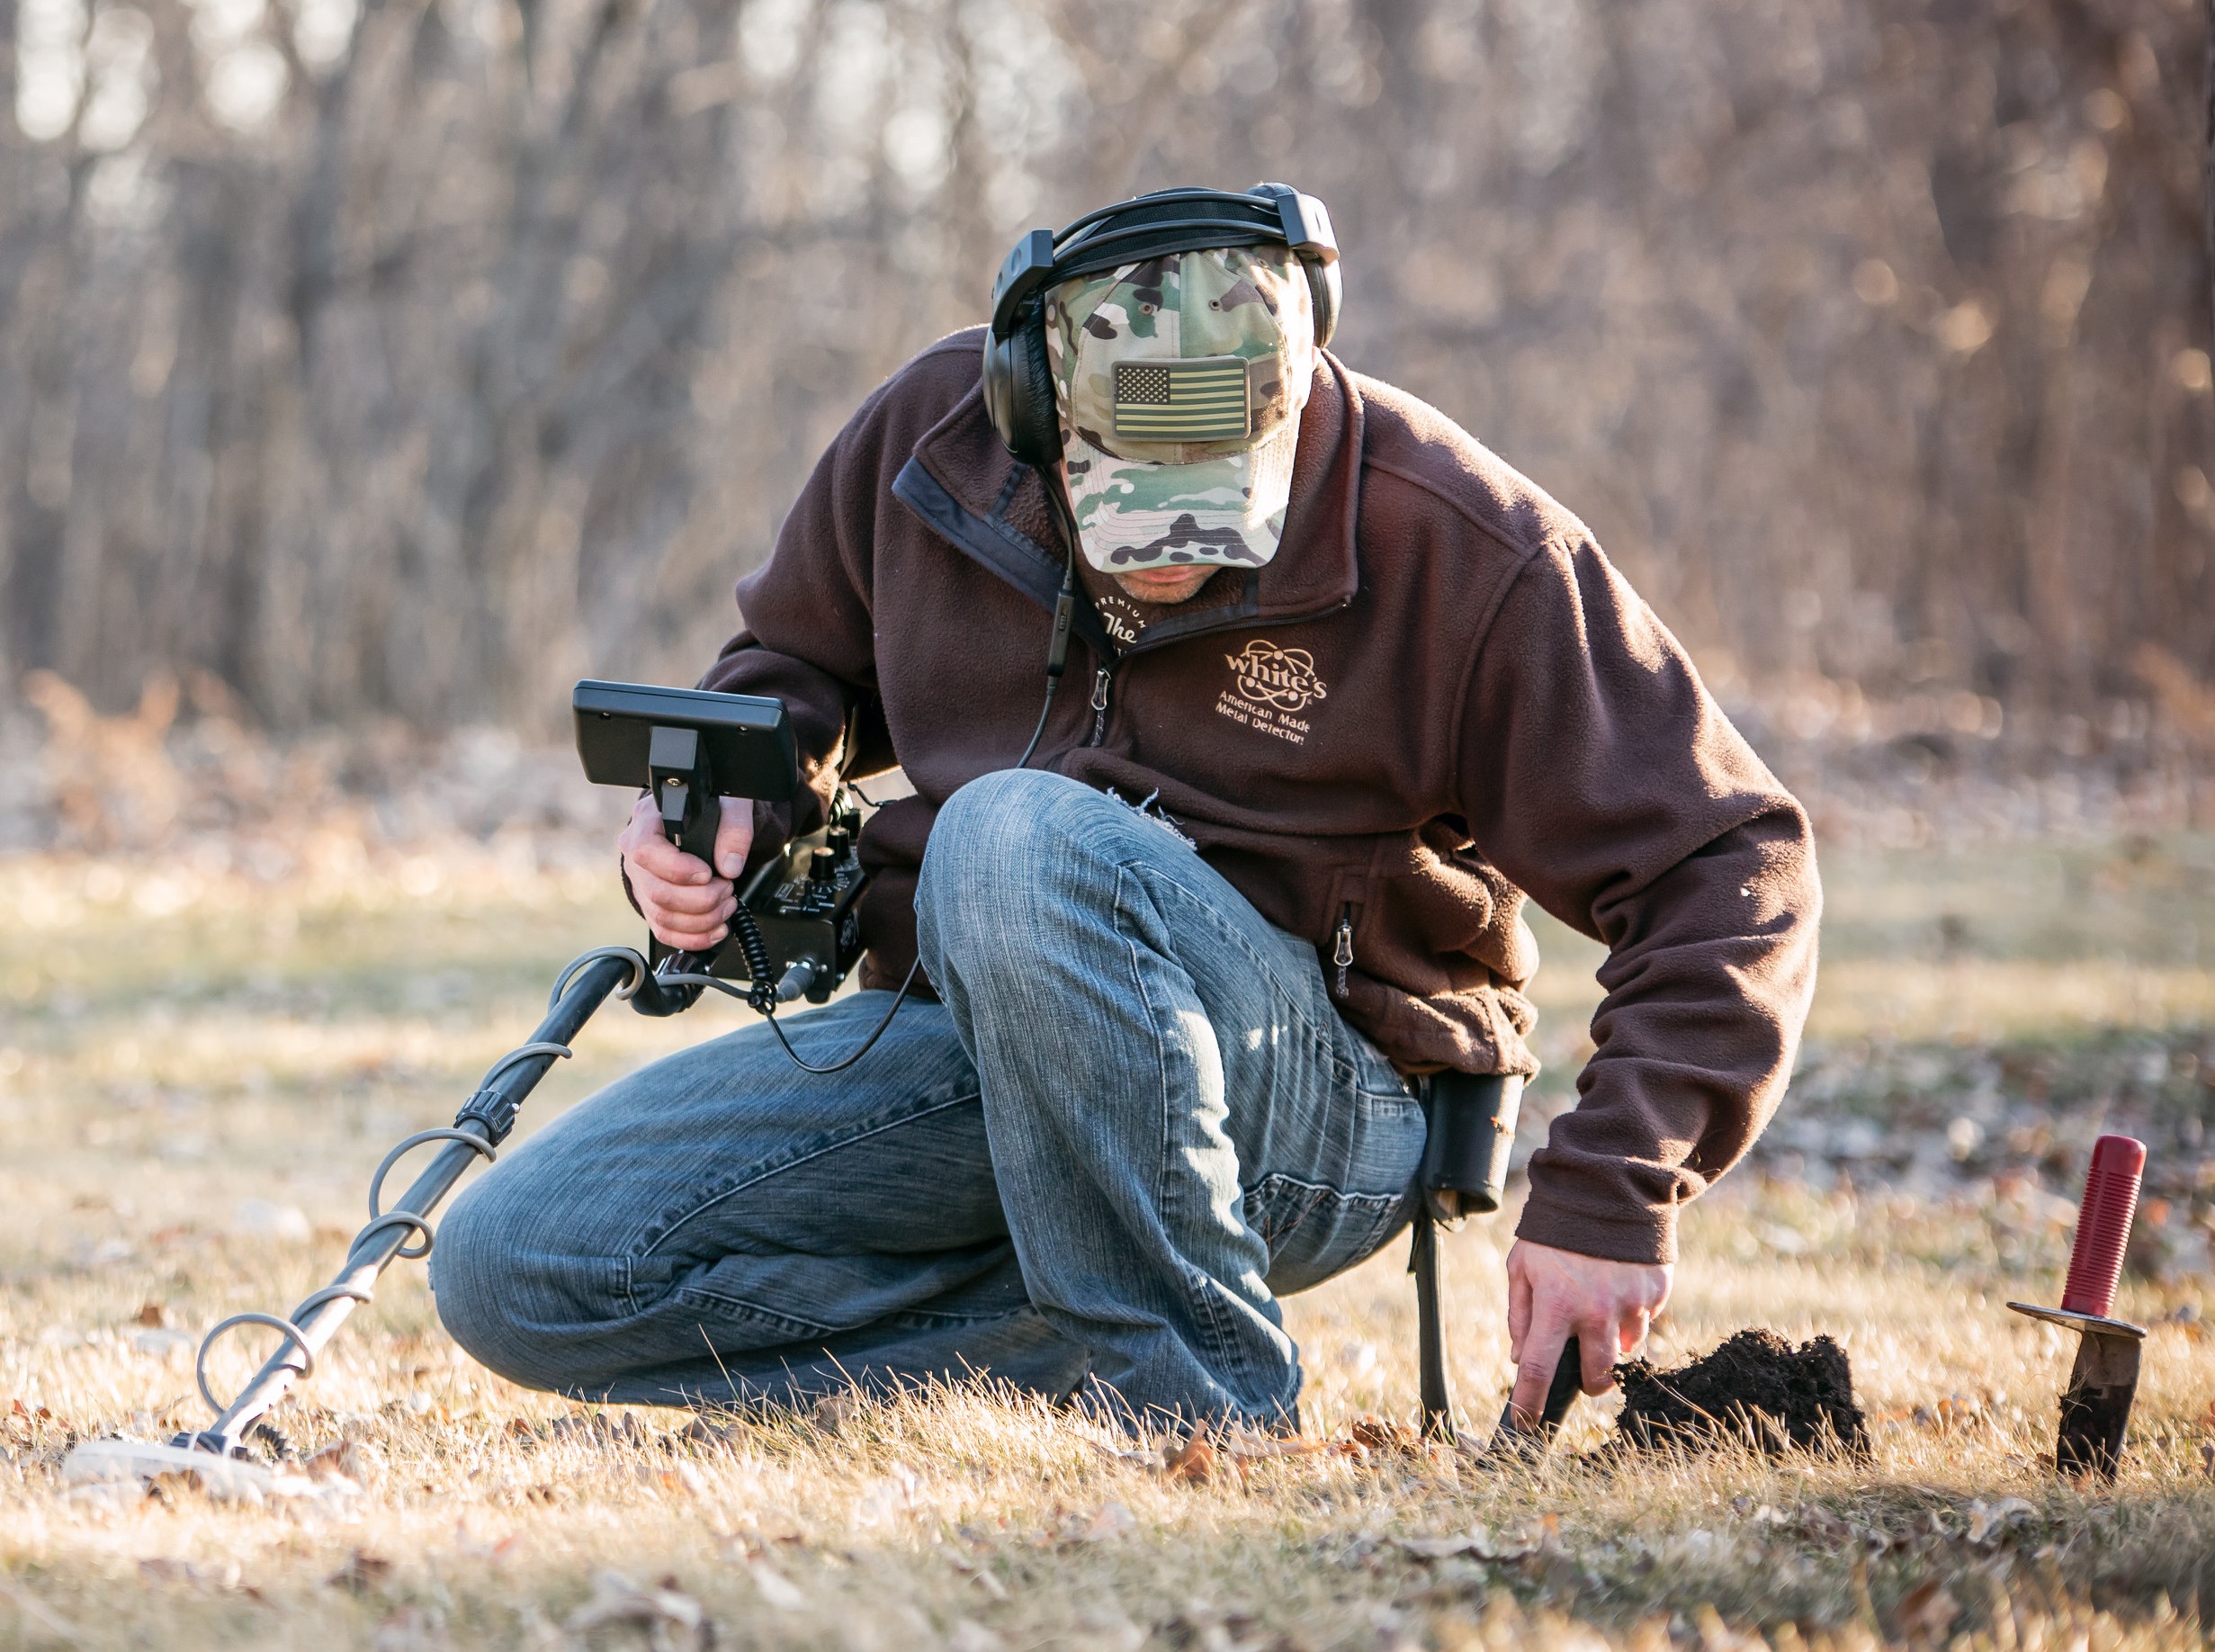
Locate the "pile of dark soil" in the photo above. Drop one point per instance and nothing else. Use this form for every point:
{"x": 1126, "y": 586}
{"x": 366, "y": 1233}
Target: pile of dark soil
{"x": 1755, "y": 1388}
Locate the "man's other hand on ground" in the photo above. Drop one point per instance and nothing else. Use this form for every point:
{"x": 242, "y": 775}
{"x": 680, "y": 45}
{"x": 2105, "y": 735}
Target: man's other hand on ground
{"x": 1554, "y": 1295}
{"x": 687, "y": 904}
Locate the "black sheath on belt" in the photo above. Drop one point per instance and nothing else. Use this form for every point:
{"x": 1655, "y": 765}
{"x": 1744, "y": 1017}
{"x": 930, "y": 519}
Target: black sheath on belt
{"x": 1469, "y": 1125}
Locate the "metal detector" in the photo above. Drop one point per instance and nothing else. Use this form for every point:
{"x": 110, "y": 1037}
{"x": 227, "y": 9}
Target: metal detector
{"x": 797, "y": 935}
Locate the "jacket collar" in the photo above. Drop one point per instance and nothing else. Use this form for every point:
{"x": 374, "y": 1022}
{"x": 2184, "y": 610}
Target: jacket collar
{"x": 966, "y": 485}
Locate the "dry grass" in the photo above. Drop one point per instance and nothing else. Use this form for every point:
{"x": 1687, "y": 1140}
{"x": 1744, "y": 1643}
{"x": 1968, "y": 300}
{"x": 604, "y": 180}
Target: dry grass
{"x": 176, "y": 1044}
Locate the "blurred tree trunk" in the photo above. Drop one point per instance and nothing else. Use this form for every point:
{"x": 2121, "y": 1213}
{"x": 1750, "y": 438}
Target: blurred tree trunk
{"x": 2207, "y": 94}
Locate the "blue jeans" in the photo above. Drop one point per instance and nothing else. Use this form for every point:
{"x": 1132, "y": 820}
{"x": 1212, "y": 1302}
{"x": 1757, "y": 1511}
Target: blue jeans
{"x": 1134, "y": 1121}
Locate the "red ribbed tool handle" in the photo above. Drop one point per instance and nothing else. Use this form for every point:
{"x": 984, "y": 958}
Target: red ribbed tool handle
{"x": 2104, "y": 1224}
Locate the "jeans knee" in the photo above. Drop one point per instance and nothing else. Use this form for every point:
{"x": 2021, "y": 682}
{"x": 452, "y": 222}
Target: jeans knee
{"x": 997, "y": 845}
{"x": 998, "y": 819}
{"x": 473, "y": 1282}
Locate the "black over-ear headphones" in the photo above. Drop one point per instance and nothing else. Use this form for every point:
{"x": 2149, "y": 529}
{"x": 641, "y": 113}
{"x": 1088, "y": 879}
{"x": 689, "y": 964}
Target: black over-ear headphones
{"x": 1018, "y": 380}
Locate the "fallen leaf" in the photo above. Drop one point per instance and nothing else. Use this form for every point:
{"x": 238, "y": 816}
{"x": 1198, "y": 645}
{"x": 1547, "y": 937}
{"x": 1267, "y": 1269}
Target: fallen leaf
{"x": 1202, "y": 1629}
{"x": 1439, "y": 1547}
{"x": 152, "y": 1315}
{"x": 1112, "y": 1520}
{"x": 1988, "y": 1522}
{"x": 496, "y": 1552}
{"x": 163, "y": 1345}
{"x": 1928, "y": 1612}
{"x": 1820, "y": 1522}
{"x": 702, "y": 1431}
{"x": 664, "y": 1607}
{"x": 1107, "y": 1631}
{"x": 983, "y": 1577}
{"x": 1383, "y": 1435}
{"x": 1194, "y": 1460}
{"x": 887, "y": 1497}
{"x": 778, "y": 1590}
{"x": 1476, "y": 1543}
{"x": 338, "y": 1460}
{"x": 362, "y": 1573}
{"x": 1137, "y": 1459}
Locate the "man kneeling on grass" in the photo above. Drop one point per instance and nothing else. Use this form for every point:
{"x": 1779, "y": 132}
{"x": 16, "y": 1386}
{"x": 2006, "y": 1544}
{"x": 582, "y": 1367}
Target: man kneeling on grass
{"x": 1348, "y": 691}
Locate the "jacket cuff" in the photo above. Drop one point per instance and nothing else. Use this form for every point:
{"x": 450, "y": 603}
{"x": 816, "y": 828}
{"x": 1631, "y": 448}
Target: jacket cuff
{"x": 1635, "y": 1234}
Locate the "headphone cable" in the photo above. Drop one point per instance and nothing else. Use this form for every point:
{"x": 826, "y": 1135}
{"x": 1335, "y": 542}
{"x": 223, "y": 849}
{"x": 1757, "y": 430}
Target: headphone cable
{"x": 1064, "y": 604}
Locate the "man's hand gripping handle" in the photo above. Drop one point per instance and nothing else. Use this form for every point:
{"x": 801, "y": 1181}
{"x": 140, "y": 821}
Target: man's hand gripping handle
{"x": 682, "y": 852}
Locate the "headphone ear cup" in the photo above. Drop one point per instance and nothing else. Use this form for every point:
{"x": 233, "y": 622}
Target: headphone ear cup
{"x": 1033, "y": 428}
{"x": 1323, "y": 291}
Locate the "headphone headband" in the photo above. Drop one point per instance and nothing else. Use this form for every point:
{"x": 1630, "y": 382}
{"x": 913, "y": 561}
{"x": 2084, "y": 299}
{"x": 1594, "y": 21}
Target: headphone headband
{"x": 1154, "y": 226}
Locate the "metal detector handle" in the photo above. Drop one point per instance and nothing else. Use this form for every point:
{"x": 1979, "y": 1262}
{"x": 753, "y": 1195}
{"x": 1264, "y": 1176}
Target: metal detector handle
{"x": 683, "y": 791}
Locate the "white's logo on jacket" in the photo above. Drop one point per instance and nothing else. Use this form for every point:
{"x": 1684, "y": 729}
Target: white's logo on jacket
{"x": 1282, "y": 677}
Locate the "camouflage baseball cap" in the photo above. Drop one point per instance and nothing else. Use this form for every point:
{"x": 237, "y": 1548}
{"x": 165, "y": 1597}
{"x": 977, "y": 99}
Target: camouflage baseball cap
{"x": 1181, "y": 382}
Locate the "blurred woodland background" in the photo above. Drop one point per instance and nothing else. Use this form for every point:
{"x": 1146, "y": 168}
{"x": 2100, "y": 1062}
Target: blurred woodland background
{"x": 410, "y": 358}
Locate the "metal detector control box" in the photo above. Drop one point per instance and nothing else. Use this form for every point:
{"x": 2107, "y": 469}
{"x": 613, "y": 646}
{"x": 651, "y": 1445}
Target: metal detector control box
{"x": 807, "y": 904}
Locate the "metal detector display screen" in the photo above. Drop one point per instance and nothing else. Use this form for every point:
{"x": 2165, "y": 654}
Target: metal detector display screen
{"x": 749, "y": 741}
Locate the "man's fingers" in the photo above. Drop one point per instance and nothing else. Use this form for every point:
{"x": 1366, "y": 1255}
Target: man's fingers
{"x": 1534, "y": 1371}
{"x": 688, "y": 923}
{"x": 1597, "y": 1343}
{"x": 1636, "y": 1324}
{"x": 692, "y": 930}
{"x": 654, "y": 853}
{"x": 658, "y": 895}
{"x": 734, "y": 836}
{"x": 688, "y": 941}
{"x": 1519, "y": 1307}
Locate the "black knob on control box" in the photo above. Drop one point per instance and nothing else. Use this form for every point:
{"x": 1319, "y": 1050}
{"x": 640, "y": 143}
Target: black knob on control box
{"x": 838, "y": 840}
{"x": 822, "y": 868}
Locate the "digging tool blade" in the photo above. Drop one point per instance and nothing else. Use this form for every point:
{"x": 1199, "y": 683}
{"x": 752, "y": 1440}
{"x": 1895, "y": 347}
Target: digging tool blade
{"x": 1514, "y": 1441}
{"x": 2095, "y": 1407}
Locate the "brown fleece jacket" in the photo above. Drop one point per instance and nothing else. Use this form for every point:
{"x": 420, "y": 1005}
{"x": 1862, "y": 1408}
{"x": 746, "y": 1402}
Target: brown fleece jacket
{"x": 1439, "y": 697}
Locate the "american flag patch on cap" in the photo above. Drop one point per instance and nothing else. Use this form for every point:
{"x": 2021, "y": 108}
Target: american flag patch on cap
{"x": 1202, "y": 400}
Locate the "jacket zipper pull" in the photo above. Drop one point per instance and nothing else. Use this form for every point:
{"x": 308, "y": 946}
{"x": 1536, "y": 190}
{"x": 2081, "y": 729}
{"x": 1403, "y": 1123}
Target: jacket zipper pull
{"x": 1344, "y": 957}
{"x": 1100, "y": 704}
